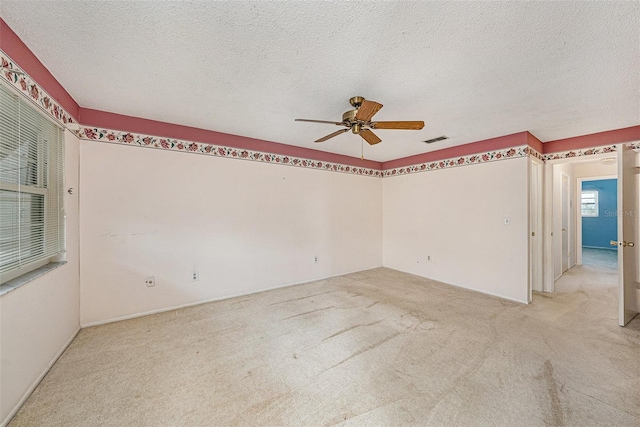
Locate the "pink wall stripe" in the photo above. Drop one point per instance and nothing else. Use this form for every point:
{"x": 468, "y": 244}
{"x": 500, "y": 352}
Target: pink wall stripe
{"x": 535, "y": 143}
{"x": 19, "y": 52}
{"x": 610, "y": 137}
{"x": 508, "y": 141}
{"x": 103, "y": 119}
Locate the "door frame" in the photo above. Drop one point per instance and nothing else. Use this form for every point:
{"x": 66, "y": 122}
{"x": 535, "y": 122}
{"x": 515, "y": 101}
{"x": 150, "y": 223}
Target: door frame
{"x": 565, "y": 209}
{"x": 536, "y": 221}
{"x": 548, "y": 284}
{"x": 548, "y": 214}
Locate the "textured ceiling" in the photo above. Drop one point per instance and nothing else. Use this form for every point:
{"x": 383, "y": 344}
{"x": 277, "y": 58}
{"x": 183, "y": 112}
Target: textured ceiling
{"x": 470, "y": 70}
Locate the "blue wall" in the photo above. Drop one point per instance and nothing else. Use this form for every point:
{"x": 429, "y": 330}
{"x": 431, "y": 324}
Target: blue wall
{"x": 597, "y": 232}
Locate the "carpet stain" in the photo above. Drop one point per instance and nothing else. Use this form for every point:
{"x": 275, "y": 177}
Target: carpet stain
{"x": 548, "y": 345}
{"x": 301, "y": 298}
{"x": 557, "y": 418}
{"x": 342, "y": 418}
{"x": 492, "y": 324}
{"x": 342, "y": 331}
{"x": 309, "y": 312}
{"x": 258, "y": 408}
{"x": 364, "y": 350}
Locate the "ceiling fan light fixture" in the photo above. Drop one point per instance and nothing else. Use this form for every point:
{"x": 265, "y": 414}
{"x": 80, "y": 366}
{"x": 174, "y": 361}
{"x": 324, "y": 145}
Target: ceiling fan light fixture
{"x": 432, "y": 140}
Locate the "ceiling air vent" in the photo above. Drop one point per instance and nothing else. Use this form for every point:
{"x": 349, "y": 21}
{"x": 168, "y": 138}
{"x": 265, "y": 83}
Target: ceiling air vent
{"x": 432, "y": 140}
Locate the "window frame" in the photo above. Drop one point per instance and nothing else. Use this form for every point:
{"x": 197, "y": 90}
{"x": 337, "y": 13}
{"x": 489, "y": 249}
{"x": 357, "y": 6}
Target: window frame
{"x": 595, "y": 203}
{"x": 49, "y": 184}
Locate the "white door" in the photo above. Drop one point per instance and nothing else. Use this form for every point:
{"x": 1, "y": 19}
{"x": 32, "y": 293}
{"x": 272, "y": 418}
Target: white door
{"x": 628, "y": 224}
{"x": 565, "y": 223}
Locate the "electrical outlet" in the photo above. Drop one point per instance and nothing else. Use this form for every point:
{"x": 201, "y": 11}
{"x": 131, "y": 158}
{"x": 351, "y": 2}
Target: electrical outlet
{"x": 195, "y": 276}
{"x": 428, "y": 258}
{"x": 507, "y": 221}
{"x": 150, "y": 281}
{"x": 315, "y": 259}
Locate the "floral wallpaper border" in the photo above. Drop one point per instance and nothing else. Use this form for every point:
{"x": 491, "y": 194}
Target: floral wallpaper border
{"x": 588, "y": 151}
{"x": 580, "y": 153}
{"x": 32, "y": 90}
{"x": 537, "y": 155}
{"x": 471, "y": 159}
{"x": 149, "y": 141}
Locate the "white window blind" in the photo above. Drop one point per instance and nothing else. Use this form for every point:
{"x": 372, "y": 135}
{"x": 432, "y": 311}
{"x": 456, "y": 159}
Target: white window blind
{"x": 589, "y": 203}
{"x": 31, "y": 180}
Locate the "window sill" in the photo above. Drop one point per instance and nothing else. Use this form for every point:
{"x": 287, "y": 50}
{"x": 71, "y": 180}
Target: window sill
{"x": 28, "y": 277}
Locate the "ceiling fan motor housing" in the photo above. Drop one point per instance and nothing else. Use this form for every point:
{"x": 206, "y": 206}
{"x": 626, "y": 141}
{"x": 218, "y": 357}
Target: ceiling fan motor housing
{"x": 349, "y": 118}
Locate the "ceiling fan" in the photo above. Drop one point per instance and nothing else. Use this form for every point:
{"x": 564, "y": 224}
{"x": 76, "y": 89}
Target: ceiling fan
{"x": 359, "y": 121}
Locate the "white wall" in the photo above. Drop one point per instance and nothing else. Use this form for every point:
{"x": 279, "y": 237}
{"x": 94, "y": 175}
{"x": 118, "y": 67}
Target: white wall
{"x": 595, "y": 169}
{"x": 39, "y": 319}
{"x": 246, "y": 226}
{"x": 457, "y": 216}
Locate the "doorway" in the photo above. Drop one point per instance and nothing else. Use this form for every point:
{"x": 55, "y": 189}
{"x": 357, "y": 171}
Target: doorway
{"x": 597, "y": 222}
{"x": 564, "y": 257}
{"x": 564, "y": 197}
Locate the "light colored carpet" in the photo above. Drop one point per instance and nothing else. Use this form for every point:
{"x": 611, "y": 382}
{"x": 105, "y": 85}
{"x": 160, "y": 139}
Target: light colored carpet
{"x": 378, "y": 347}
{"x": 600, "y": 258}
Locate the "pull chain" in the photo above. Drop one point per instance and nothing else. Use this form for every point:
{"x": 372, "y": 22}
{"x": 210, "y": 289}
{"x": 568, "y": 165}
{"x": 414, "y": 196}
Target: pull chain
{"x": 361, "y": 148}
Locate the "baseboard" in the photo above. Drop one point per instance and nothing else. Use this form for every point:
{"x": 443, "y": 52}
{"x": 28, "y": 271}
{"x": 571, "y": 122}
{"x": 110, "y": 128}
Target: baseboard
{"x": 465, "y": 287}
{"x": 33, "y": 385}
{"x": 206, "y": 301}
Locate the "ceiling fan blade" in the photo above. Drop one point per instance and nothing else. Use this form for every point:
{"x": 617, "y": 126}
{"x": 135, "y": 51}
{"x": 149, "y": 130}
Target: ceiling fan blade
{"x": 367, "y": 110}
{"x": 398, "y": 125}
{"x": 318, "y": 121}
{"x": 369, "y": 136}
{"x": 331, "y": 135}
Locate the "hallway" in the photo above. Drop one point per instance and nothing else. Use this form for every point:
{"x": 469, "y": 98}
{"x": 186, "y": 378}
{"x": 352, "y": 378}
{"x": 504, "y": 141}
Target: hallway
{"x": 590, "y": 289}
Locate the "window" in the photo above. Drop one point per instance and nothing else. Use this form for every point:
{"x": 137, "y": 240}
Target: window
{"x": 590, "y": 203}
{"x": 31, "y": 202}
